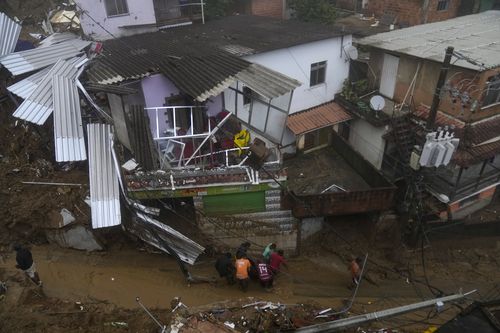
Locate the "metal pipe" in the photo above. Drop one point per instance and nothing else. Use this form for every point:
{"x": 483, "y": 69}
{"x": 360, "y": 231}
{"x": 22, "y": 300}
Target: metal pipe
{"x": 157, "y": 322}
{"x": 49, "y": 183}
{"x": 342, "y": 324}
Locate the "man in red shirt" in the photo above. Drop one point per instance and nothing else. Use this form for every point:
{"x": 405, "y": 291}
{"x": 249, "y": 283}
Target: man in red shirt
{"x": 276, "y": 261}
{"x": 265, "y": 275}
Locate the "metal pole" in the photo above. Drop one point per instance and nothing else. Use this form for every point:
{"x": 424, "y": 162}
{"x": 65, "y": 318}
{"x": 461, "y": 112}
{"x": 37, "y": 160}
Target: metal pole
{"x": 437, "y": 93}
{"x": 202, "y": 12}
{"x": 342, "y": 324}
{"x": 162, "y": 327}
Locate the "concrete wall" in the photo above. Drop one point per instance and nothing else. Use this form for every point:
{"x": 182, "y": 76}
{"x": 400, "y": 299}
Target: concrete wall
{"x": 426, "y": 81}
{"x": 296, "y": 62}
{"x": 140, "y": 13}
{"x": 271, "y": 8}
{"x": 367, "y": 140}
{"x": 271, "y": 226}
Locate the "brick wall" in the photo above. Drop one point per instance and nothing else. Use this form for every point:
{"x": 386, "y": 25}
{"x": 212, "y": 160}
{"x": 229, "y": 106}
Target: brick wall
{"x": 272, "y": 8}
{"x": 433, "y": 15}
{"x": 410, "y": 12}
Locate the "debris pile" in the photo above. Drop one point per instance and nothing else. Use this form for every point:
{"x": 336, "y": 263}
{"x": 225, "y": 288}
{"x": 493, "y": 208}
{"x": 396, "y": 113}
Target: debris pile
{"x": 246, "y": 315}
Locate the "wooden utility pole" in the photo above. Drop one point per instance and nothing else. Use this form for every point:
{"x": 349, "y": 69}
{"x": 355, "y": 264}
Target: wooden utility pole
{"x": 437, "y": 93}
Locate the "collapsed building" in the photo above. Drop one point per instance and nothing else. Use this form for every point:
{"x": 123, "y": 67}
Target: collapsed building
{"x": 208, "y": 115}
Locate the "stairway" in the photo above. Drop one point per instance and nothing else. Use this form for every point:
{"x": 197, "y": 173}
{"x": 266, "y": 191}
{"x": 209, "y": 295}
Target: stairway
{"x": 273, "y": 225}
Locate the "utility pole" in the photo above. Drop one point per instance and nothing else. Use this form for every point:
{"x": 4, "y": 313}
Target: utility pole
{"x": 342, "y": 324}
{"x": 437, "y": 93}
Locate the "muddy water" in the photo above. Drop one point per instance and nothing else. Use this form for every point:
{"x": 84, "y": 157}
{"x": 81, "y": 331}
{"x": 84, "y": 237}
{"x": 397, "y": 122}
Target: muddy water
{"x": 120, "y": 276}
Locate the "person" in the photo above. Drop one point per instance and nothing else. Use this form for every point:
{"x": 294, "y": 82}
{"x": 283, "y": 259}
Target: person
{"x": 225, "y": 267}
{"x": 243, "y": 249}
{"x": 270, "y": 248}
{"x": 242, "y": 268}
{"x": 355, "y": 270}
{"x": 277, "y": 259}
{"x": 265, "y": 275}
{"x": 24, "y": 260}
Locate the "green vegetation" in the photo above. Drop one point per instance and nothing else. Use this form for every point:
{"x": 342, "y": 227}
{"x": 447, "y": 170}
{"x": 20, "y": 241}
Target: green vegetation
{"x": 314, "y": 10}
{"x": 217, "y": 8}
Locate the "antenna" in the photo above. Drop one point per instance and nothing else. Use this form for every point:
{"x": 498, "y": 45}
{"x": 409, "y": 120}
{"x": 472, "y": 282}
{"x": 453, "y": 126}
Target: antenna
{"x": 377, "y": 103}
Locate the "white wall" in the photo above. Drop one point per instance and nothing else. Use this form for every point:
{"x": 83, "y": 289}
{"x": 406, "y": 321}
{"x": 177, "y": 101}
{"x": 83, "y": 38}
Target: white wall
{"x": 296, "y": 62}
{"x": 368, "y": 141}
{"x": 140, "y": 12}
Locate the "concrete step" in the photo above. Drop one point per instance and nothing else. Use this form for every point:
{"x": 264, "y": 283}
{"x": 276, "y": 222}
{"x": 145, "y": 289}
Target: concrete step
{"x": 273, "y": 193}
{"x": 273, "y": 206}
{"x": 263, "y": 215}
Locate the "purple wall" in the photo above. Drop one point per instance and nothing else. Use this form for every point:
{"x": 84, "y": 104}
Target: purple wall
{"x": 156, "y": 88}
{"x": 214, "y": 105}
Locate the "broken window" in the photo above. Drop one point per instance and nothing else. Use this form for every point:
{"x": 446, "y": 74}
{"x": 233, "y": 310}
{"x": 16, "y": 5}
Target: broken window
{"x": 116, "y": 7}
{"x": 247, "y": 95}
{"x": 492, "y": 94}
{"x": 318, "y": 73}
{"x": 443, "y": 4}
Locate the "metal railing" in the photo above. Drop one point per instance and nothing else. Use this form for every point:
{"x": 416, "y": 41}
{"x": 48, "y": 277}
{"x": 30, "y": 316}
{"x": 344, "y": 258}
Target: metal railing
{"x": 172, "y": 129}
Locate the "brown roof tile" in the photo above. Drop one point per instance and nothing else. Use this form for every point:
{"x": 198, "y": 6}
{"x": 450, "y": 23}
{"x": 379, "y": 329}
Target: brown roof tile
{"x": 442, "y": 119}
{"x": 324, "y": 115}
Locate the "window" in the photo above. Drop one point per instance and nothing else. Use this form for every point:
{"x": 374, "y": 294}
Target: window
{"x": 116, "y": 7}
{"x": 492, "y": 94}
{"x": 318, "y": 72}
{"x": 247, "y": 95}
{"x": 443, "y": 4}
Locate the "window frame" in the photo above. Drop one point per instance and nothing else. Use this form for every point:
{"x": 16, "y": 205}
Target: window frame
{"x": 443, "y": 5}
{"x": 317, "y": 74}
{"x": 247, "y": 93}
{"x": 493, "y": 84}
{"x": 114, "y": 3}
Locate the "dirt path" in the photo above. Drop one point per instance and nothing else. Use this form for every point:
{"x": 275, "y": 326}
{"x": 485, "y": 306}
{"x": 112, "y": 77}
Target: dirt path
{"x": 120, "y": 276}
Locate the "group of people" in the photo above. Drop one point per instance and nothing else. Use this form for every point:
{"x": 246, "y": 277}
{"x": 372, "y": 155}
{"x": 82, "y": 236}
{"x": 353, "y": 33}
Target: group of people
{"x": 243, "y": 268}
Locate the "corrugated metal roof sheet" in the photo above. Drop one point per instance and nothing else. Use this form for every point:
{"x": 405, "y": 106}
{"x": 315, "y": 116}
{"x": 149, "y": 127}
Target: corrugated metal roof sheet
{"x": 30, "y": 60}
{"x": 9, "y": 33}
{"x": 104, "y": 191}
{"x": 267, "y": 82}
{"x": 57, "y": 37}
{"x": 324, "y": 115}
{"x": 39, "y": 105}
{"x": 186, "y": 249}
{"x": 68, "y": 129}
{"x": 25, "y": 88}
{"x": 108, "y": 88}
{"x": 475, "y": 36}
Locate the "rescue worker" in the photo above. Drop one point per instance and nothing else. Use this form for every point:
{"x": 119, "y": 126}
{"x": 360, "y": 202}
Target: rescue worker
{"x": 242, "y": 268}
{"x": 270, "y": 248}
{"x": 24, "y": 260}
{"x": 265, "y": 275}
{"x": 277, "y": 259}
{"x": 225, "y": 267}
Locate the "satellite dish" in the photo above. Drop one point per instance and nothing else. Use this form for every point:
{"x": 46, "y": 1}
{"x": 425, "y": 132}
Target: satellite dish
{"x": 352, "y": 52}
{"x": 377, "y": 102}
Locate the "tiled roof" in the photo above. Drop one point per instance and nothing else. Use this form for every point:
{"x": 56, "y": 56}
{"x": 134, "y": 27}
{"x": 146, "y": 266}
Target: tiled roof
{"x": 484, "y": 130}
{"x": 442, "y": 119}
{"x": 324, "y": 115}
{"x": 469, "y": 156}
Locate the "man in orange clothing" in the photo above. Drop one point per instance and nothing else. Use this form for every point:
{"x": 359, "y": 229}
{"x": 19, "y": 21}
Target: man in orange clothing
{"x": 355, "y": 269}
{"x": 242, "y": 268}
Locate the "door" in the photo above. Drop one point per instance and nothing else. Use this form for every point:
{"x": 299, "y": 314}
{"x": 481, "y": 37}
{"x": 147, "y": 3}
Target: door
{"x": 389, "y": 75}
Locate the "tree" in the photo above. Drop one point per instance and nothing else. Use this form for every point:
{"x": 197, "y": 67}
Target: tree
{"x": 217, "y": 8}
{"x": 314, "y": 10}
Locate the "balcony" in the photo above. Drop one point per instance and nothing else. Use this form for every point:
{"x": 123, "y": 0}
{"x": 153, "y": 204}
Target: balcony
{"x": 174, "y": 12}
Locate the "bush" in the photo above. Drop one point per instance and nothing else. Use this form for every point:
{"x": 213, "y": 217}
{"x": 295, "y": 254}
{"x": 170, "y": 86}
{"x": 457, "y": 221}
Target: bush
{"x": 314, "y": 10}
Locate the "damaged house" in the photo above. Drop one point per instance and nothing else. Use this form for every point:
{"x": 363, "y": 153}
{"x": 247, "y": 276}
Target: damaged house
{"x": 235, "y": 118}
{"x": 216, "y": 110}
{"x": 402, "y": 68}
